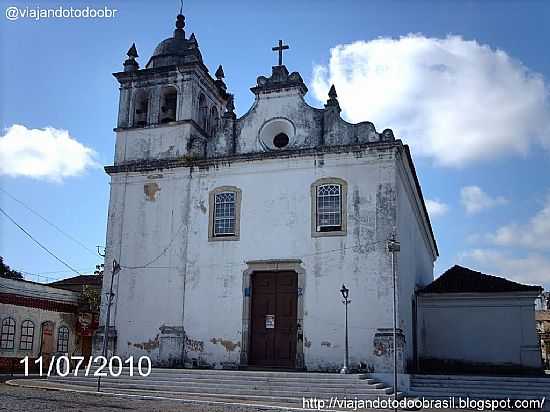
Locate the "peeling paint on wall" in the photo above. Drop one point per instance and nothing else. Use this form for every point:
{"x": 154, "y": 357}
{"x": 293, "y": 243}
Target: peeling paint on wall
{"x": 151, "y": 190}
{"x": 194, "y": 345}
{"x": 229, "y": 345}
{"x": 149, "y": 345}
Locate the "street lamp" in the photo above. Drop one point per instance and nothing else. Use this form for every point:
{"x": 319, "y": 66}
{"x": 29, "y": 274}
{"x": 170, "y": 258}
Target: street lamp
{"x": 345, "y": 294}
{"x": 106, "y": 329}
{"x": 393, "y": 247}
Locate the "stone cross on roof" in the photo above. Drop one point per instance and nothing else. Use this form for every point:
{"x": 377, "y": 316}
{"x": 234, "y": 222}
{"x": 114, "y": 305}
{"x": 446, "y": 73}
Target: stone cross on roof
{"x": 280, "y": 49}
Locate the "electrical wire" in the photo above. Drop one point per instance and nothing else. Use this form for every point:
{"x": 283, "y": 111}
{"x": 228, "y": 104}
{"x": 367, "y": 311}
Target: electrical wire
{"x": 161, "y": 253}
{"x": 50, "y": 223}
{"x": 39, "y": 244}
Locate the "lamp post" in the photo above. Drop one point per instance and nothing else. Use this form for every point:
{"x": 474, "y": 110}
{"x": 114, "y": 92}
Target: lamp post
{"x": 116, "y": 269}
{"x": 345, "y": 294}
{"x": 393, "y": 247}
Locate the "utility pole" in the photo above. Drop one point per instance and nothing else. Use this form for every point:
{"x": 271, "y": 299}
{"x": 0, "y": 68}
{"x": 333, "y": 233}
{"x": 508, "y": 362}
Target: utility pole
{"x": 393, "y": 248}
{"x": 106, "y": 328}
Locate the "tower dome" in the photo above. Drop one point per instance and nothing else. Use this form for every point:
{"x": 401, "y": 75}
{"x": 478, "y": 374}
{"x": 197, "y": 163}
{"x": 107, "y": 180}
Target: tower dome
{"x": 176, "y": 50}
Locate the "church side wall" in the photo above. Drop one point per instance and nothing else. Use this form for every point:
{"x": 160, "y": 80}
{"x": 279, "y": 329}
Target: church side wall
{"x": 414, "y": 261}
{"x": 148, "y": 306}
{"x": 168, "y": 210}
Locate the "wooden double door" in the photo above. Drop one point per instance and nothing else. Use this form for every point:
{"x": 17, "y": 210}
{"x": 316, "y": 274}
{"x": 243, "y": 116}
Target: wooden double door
{"x": 273, "y": 319}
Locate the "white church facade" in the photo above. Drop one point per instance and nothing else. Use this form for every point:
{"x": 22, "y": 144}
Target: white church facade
{"x": 235, "y": 234}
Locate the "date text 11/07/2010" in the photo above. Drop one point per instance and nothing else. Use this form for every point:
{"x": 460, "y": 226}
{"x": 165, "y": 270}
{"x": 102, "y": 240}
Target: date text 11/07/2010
{"x": 97, "y": 366}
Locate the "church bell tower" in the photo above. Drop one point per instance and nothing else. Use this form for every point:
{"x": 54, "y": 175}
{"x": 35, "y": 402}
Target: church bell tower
{"x": 172, "y": 106}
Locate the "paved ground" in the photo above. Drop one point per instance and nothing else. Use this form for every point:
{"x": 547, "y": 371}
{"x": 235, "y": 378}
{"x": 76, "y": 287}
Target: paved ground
{"x": 16, "y": 398}
{"x": 29, "y": 399}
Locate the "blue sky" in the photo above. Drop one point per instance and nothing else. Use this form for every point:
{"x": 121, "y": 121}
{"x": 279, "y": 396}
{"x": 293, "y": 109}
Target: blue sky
{"x": 464, "y": 83}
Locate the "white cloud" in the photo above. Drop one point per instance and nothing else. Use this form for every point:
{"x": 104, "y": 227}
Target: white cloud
{"x": 49, "y": 153}
{"x": 533, "y": 269}
{"x": 453, "y": 100}
{"x": 474, "y": 199}
{"x": 436, "y": 208}
{"x": 535, "y": 234}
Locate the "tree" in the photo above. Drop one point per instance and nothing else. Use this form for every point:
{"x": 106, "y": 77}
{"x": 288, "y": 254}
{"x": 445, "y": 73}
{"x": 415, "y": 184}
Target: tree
{"x": 6, "y": 272}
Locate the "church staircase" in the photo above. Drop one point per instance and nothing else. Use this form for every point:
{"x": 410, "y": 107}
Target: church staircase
{"x": 480, "y": 387}
{"x": 272, "y": 389}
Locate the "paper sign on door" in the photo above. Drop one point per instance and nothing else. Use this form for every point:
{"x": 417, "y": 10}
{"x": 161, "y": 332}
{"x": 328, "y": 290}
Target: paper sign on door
{"x": 270, "y": 321}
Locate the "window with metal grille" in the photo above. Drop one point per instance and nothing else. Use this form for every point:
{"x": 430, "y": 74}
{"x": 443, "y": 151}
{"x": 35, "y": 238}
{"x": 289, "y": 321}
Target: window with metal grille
{"x": 27, "y": 335}
{"x": 224, "y": 214}
{"x": 7, "y": 334}
{"x": 329, "y": 208}
{"x": 63, "y": 339}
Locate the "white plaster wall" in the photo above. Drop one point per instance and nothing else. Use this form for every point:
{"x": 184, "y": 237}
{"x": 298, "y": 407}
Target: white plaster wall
{"x": 289, "y": 105}
{"x": 415, "y": 259}
{"x": 163, "y": 247}
{"x": 157, "y": 142}
{"x": 479, "y": 328}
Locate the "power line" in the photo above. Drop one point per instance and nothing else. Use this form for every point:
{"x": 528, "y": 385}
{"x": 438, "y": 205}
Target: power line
{"x": 38, "y": 243}
{"x": 50, "y": 223}
{"x": 52, "y": 272}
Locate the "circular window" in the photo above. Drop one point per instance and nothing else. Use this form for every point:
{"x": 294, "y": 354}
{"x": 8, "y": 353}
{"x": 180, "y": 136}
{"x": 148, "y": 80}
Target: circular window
{"x": 280, "y": 141}
{"x": 276, "y": 134}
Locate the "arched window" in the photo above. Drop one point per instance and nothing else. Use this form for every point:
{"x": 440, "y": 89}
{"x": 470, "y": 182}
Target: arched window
{"x": 213, "y": 121}
{"x": 7, "y": 334}
{"x": 203, "y": 112}
{"x": 168, "y": 104}
{"x": 141, "y": 111}
{"x": 27, "y": 335}
{"x": 63, "y": 339}
{"x": 225, "y": 211}
{"x": 329, "y": 204}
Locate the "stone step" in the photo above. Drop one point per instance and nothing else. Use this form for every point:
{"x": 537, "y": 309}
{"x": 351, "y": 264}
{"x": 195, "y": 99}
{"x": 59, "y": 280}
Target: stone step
{"x": 481, "y": 384}
{"x": 263, "y": 402}
{"x": 245, "y": 373}
{"x": 319, "y": 384}
{"x": 334, "y": 380}
{"x": 479, "y": 378}
{"x": 288, "y": 392}
{"x": 447, "y": 394}
{"x": 478, "y": 391}
{"x": 356, "y": 388}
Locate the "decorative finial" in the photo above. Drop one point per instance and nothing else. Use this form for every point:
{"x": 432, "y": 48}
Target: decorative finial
{"x": 180, "y": 24}
{"x": 332, "y": 92}
{"x": 132, "y": 52}
{"x": 219, "y": 73}
{"x": 180, "y": 21}
{"x": 193, "y": 38}
{"x": 130, "y": 64}
{"x": 332, "y": 99}
{"x": 387, "y": 134}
